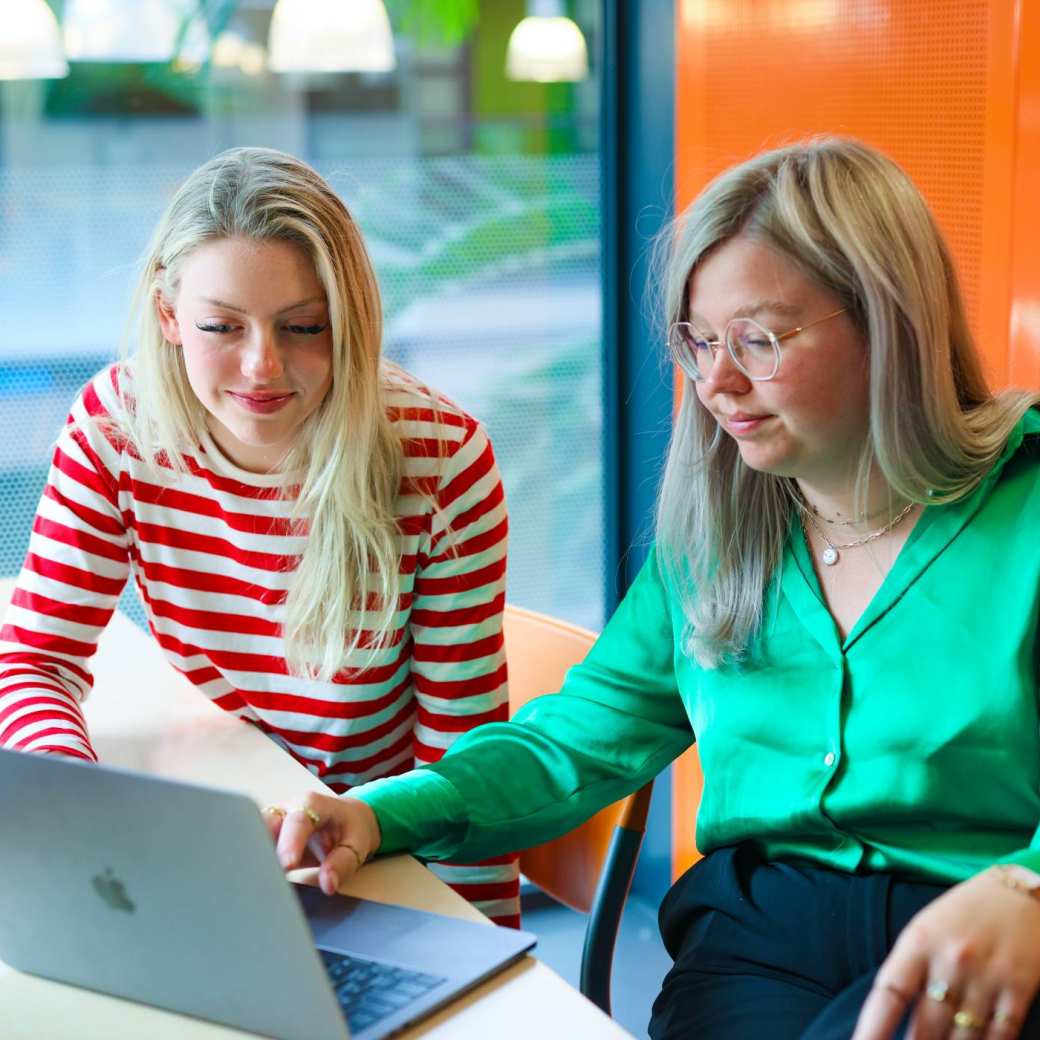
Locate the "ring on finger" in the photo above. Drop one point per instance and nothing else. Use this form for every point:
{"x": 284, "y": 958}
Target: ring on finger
{"x": 310, "y": 814}
{"x": 938, "y": 990}
{"x": 964, "y": 1019}
{"x": 1004, "y": 1018}
{"x": 346, "y": 845}
{"x": 274, "y": 810}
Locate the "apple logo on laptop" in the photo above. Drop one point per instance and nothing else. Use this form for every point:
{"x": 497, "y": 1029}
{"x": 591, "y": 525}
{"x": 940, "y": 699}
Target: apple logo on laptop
{"x": 112, "y": 891}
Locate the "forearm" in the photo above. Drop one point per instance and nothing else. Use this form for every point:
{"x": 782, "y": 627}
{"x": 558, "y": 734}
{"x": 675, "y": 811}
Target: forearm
{"x": 616, "y": 723}
{"x": 508, "y": 786}
{"x": 36, "y": 715}
{"x": 44, "y": 676}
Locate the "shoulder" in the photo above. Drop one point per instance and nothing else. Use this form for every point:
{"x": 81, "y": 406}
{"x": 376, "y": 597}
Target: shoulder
{"x": 1030, "y": 424}
{"x": 100, "y": 410}
{"x": 1021, "y": 456}
{"x": 423, "y": 416}
{"x": 106, "y": 394}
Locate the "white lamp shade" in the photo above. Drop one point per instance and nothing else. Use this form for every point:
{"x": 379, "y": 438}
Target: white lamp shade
{"x": 231, "y": 51}
{"x": 30, "y": 44}
{"x": 547, "y": 50}
{"x": 132, "y": 30}
{"x": 330, "y": 36}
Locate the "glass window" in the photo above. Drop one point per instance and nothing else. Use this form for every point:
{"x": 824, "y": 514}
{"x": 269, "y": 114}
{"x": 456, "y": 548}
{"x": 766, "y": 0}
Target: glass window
{"x": 478, "y": 197}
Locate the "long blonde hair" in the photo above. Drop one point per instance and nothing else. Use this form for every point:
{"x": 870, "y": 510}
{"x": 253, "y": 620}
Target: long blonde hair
{"x": 855, "y": 224}
{"x": 344, "y": 592}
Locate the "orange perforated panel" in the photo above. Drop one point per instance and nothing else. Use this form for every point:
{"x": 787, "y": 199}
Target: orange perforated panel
{"x": 1025, "y": 225}
{"x": 930, "y": 82}
{"x": 949, "y": 88}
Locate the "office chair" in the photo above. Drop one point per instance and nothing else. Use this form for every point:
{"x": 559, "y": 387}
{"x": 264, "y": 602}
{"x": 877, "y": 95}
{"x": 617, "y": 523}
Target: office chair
{"x": 590, "y": 868}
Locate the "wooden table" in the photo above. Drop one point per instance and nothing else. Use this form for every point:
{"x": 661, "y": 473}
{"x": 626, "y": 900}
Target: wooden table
{"x": 143, "y": 715}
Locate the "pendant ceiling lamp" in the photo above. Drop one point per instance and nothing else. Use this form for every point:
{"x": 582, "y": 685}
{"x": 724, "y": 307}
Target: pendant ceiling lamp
{"x": 546, "y": 46}
{"x": 330, "y": 36}
{"x": 30, "y": 43}
{"x": 133, "y": 30}
{"x": 232, "y": 51}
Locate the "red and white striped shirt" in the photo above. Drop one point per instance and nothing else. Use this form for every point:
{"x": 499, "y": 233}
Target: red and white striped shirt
{"x": 212, "y": 551}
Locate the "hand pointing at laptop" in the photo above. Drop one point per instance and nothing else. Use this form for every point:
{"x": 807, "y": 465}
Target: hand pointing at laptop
{"x": 336, "y": 834}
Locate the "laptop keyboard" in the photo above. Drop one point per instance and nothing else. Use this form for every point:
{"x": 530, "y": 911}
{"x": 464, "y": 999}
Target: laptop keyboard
{"x": 370, "y": 990}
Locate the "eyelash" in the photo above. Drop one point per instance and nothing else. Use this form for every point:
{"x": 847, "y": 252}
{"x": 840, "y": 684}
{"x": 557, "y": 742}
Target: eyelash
{"x": 296, "y": 330}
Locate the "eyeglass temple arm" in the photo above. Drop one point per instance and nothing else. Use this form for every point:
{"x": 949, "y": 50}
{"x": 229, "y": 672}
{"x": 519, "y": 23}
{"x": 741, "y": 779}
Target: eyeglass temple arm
{"x": 808, "y": 325}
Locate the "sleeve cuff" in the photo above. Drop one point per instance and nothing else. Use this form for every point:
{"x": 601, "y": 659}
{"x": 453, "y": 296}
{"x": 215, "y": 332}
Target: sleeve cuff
{"x": 418, "y": 812}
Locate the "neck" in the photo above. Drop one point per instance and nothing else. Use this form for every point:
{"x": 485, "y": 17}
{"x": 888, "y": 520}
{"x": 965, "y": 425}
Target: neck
{"x": 838, "y": 502}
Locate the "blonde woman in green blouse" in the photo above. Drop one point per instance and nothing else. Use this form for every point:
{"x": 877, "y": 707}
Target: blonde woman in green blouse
{"x": 841, "y": 608}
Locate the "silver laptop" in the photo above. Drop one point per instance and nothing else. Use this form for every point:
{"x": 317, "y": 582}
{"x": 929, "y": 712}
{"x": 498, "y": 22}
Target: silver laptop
{"x": 171, "y": 895}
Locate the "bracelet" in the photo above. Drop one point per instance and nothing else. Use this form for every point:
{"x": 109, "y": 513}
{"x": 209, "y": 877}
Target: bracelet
{"x": 1004, "y": 875}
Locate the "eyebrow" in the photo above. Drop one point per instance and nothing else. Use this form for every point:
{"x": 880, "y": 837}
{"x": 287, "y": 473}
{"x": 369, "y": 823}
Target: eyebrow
{"x": 775, "y": 306}
{"x": 751, "y": 310}
{"x": 284, "y": 310}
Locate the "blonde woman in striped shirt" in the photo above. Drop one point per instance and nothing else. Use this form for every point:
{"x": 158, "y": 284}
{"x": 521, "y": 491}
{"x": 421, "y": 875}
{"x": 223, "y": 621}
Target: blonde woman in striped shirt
{"x": 319, "y": 540}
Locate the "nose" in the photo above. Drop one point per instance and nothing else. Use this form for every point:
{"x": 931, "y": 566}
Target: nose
{"x": 724, "y": 377}
{"x": 261, "y": 358}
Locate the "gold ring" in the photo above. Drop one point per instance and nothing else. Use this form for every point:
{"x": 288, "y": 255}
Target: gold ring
{"x": 938, "y": 990}
{"x": 310, "y": 814}
{"x": 347, "y": 845}
{"x": 1004, "y": 1018}
{"x": 274, "y": 810}
{"x": 964, "y": 1019}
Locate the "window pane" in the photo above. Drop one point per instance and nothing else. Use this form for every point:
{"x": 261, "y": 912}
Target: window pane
{"x": 478, "y": 198}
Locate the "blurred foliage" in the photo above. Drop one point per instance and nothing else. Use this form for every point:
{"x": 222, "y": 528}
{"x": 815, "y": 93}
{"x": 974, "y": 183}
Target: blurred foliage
{"x": 445, "y": 22}
{"x": 101, "y": 88}
{"x": 124, "y": 88}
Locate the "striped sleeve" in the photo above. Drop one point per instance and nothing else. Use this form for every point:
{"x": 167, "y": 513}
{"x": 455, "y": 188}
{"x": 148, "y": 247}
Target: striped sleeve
{"x": 458, "y": 662}
{"x": 75, "y": 569}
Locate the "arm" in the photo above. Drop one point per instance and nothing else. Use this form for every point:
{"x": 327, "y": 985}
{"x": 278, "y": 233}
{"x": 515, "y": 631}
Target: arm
{"x": 74, "y": 572}
{"x": 615, "y": 724}
{"x": 458, "y": 655}
{"x": 972, "y": 953}
{"x": 980, "y": 939}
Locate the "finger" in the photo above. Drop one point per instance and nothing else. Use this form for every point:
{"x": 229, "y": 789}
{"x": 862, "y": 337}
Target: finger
{"x": 341, "y": 861}
{"x": 970, "y": 1022}
{"x": 1009, "y": 1013}
{"x": 933, "y": 1014}
{"x": 272, "y": 815}
{"x": 974, "y": 1009}
{"x": 298, "y": 827}
{"x": 882, "y": 1012}
{"x": 897, "y": 983}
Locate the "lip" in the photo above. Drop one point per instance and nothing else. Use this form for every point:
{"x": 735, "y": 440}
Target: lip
{"x": 744, "y": 423}
{"x": 263, "y": 402}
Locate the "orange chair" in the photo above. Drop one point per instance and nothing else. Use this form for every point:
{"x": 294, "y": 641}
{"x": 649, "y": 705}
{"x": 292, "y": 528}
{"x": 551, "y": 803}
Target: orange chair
{"x": 590, "y": 868}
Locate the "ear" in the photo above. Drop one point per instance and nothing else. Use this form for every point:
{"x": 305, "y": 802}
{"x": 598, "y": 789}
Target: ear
{"x": 168, "y": 322}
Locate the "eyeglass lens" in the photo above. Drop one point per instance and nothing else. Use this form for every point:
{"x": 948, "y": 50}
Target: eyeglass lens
{"x": 754, "y": 349}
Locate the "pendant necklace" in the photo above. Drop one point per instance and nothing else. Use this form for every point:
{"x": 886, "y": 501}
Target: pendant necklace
{"x": 831, "y": 555}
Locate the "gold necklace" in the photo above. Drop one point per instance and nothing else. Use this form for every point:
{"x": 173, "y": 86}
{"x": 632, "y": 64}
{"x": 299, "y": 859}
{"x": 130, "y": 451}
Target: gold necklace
{"x": 830, "y": 555}
{"x": 843, "y": 523}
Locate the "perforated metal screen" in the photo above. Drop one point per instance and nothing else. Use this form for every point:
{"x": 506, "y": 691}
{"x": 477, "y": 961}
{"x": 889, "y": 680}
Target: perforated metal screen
{"x": 930, "y": 83}
{"x": 489, "y": 269}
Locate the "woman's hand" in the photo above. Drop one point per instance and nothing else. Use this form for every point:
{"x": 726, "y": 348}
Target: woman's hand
{"x": 968, "y": 963}
{"x": 337, "y": 834}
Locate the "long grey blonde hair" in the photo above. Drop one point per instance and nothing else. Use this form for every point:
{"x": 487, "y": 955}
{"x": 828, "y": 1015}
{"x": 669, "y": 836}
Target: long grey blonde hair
{"x": 855, "y": 224}
{"x": 347, "y": 453}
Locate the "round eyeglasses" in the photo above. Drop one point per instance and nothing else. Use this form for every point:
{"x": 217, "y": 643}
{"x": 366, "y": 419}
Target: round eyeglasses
{"x": 754, "y": 349}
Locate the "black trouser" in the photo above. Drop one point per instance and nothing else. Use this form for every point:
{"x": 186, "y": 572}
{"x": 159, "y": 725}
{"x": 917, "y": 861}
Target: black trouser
{"x": 780, "y": 950}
